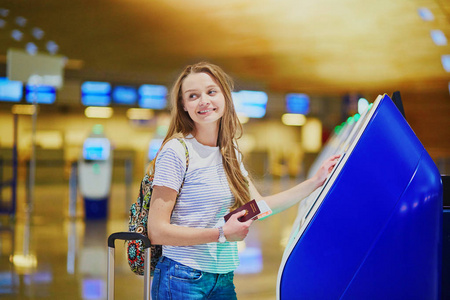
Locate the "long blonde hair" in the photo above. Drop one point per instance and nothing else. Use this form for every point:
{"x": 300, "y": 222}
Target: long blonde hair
{"x": 230, "y": 129}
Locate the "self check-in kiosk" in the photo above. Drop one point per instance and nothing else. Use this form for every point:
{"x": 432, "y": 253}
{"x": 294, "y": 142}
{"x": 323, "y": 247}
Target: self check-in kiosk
{"x": 374, "y": 230}
{"x": 95, "y": 174}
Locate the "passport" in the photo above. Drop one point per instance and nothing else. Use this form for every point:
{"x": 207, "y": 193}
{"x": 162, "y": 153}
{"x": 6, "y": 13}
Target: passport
{"x": 251, "y": 208}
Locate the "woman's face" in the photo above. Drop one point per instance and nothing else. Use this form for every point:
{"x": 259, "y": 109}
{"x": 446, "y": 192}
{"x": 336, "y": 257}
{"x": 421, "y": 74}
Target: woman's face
{"x": 202, "y": 98}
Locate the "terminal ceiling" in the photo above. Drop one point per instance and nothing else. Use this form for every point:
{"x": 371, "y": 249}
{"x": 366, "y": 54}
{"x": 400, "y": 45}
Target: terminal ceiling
{"x": 316, "y": 46}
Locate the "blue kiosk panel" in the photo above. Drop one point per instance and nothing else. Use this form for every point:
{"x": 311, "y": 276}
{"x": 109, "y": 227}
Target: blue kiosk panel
{"x": 375, "y": 229}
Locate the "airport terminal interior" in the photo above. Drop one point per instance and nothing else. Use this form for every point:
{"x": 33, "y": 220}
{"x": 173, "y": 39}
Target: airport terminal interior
{"x": 79, "y": 76}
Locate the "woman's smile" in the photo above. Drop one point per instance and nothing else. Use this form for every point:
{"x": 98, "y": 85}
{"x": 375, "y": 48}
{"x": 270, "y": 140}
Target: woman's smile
{"x": 202, "y": 112}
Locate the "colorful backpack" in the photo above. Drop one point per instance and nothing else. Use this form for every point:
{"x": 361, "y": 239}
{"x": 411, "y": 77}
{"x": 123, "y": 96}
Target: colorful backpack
{"x": 138, "y": 223}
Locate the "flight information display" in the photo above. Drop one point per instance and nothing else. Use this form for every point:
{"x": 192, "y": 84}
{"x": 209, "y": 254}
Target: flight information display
{"x": 126, "y": 95}
{"x": 251, "y": 104}
{"x": 95, "y": 93}
{"x": 297, "y": 103}
{"x": 41, "y": 94}
{"x": 10, "y": 91}
{"x": 152, "y": 96}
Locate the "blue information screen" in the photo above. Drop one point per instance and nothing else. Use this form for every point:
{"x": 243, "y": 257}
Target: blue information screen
{"x": 10, "y": 91}
{"x": 95, "y": 93}
{"x": 96, "y": 149}
{"x": 42, "y": 94}
{"x": 297, "y": 103}
{"x": 250, "y": 103}
{"x": 152, "y": 96}
{"x": 126, "y": 95}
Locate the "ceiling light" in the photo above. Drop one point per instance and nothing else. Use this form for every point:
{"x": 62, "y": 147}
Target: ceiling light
{"x": 98, "y": 112}
{"x": 52, "y": 47}
{"x": 139, "y": 114}
{"x": 17, "y": 35}
{"x": 21, "y": 21}
{"x": 37, "y": 33}
{"x": 445, "y": 59}
{"x": 4, "y": 12}
{"x": 293, "y": 119}
{"x": 31, "y": 48}
{"x": 425, "y": 14}
{"x": 438, "y": 37}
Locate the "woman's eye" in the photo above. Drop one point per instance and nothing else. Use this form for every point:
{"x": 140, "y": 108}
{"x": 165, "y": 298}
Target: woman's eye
{"x": 212, "y": 92}
{"x": 192, "y": 96}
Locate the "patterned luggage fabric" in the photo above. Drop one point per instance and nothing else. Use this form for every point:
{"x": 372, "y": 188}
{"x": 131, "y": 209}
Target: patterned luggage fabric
{"x": 138, "y": 223}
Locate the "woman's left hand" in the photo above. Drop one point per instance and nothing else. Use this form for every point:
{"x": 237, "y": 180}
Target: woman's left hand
{"x": 325, "y": 169}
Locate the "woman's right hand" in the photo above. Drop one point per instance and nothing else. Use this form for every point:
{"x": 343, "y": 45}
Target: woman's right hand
{"x": 236, "y": 230}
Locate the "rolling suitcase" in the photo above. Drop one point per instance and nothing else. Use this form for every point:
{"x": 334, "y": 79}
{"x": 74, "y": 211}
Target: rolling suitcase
{"x": 127, "y": 236}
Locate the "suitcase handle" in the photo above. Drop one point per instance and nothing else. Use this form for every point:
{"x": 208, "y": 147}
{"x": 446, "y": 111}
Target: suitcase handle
{"x": 127, "y": 236}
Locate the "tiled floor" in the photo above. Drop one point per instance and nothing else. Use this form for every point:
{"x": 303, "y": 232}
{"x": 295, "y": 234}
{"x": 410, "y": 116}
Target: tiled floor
{"x": 48, "y": 255}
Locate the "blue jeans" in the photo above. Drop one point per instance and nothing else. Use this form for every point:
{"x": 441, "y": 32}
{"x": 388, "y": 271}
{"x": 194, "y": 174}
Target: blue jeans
{"x": 173, "y": 280}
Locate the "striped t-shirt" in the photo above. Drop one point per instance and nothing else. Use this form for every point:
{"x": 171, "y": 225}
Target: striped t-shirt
{"x": 204, "y": 200}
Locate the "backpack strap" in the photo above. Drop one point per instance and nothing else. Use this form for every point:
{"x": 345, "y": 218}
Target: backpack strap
{"x": 186, "y": 152}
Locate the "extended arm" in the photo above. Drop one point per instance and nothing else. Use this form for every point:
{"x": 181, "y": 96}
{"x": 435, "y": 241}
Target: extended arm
{"x": 283, "y": 200}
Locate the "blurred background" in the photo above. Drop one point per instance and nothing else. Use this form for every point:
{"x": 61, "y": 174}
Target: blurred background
{"x": 301, "y": 70}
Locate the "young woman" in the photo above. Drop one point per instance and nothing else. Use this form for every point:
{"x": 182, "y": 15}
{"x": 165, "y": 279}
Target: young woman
{"x": 199, "y": 248}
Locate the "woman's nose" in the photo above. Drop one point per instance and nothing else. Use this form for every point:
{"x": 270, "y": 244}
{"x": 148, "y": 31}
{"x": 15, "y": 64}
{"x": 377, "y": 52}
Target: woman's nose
{"x": 204, "y": 100}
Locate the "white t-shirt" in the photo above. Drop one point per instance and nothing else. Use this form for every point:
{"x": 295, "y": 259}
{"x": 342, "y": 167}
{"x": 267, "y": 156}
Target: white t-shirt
{"x": 204, "y": 199}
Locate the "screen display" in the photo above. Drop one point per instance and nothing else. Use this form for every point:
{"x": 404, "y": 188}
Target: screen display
{"x": 152, "y": 96}
{"x": 124, "y": 95}
{"x": 95, "y": 93}
{"x": 11, "y": 91}
{"x": 250, "y": 103}
{"x": 297, "y": 103}
{"x": 96, "y": 149}
{"x": 42, "y": 94}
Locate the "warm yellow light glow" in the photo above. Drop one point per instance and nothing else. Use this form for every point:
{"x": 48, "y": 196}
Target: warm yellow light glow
{"x": 28, "y": 261}
{"x": 98, "y": 112}
{"x": 140, "y": 114}
{"x": 50, "y": 139}
{"x": 285, "y": 234}
{"x": 243, "y": 119}
{"x": 247, "y": 143}
{"x": 241, "y": 246}
{"x": 23, "y": 109}
{"x": 293, "y": 119}
{"x": 312, "y": 135}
